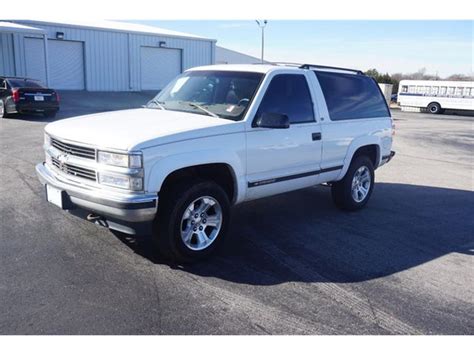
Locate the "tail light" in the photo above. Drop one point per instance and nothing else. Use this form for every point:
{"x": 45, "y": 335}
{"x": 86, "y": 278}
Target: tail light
{"x": 57, "y": 96}
{"x": 15, "y": 95}
{"x": 393, "y": 128}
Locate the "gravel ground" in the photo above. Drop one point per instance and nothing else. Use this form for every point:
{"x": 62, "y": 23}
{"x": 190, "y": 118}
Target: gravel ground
{"x": 294, "y": 265}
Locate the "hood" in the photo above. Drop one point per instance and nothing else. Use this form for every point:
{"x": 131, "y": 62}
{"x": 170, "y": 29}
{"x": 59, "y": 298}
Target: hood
{"x": 138, "y": 128}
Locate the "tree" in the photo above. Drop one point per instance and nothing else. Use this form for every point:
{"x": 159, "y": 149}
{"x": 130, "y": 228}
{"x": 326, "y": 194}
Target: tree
{"x": 460, "y": 77}
{"x": 373, "y": 73}
{"x": 380, "y": 78}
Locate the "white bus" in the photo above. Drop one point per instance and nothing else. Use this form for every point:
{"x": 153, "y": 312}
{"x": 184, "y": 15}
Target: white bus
{"x": 436, "y": 95}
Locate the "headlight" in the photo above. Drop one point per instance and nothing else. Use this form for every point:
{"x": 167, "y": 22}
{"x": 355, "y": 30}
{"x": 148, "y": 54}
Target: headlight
{"x": 117, "y": 159}
{"x": 47, "y": 140}
{"x": 121, "y": 181}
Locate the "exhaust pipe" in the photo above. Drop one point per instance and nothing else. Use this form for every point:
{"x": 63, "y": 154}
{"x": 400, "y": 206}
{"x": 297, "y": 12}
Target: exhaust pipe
{"x": 95, "y": 218}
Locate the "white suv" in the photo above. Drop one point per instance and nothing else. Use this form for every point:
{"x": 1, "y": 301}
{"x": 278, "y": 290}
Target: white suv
{"x": 214, "y": 137}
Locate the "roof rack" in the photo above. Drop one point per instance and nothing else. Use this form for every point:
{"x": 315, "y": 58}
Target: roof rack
{"x": 316, "y": 66}
{"x": 286, "y": 64}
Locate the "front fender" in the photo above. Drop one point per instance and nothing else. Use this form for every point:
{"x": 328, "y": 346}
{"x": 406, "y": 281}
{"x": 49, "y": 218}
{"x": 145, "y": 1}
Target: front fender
{"x": 356, "y": 144}
{"x": 167, "y": 165}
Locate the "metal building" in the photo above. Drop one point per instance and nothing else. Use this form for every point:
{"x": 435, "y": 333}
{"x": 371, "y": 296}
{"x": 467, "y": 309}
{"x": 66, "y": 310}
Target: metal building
{"x": 229, "y": 56}
{"x": 99, "y": 56}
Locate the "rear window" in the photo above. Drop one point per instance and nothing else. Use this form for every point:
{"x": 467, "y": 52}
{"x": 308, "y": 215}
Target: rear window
{"x": 24, "y": 83}
{"x": 350, "y": 96}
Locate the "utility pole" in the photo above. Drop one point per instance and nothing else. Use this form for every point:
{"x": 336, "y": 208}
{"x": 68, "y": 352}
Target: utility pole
{"x": 262, "y": 25}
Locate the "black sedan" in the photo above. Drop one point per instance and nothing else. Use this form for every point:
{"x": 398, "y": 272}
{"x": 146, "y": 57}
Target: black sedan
{"x": 23, "y": 95}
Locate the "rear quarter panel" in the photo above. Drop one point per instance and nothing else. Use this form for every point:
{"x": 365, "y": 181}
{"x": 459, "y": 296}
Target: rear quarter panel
{"x": 342, "y": 138}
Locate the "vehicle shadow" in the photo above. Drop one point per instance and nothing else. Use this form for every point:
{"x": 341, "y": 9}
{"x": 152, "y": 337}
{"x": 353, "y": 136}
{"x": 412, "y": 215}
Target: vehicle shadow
{"x": 301, "y": 236}
{"x": 33, "y": 117}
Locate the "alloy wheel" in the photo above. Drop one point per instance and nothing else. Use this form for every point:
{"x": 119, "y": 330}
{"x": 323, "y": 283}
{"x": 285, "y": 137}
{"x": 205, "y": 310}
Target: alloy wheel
{"x": 361, "y": 184}
{"x": 201, "y": 223}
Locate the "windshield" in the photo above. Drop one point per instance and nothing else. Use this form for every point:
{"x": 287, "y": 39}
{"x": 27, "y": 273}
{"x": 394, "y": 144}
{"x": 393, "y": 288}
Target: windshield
{"x": 24, "y": 83}
{"x": 223, "y": 94}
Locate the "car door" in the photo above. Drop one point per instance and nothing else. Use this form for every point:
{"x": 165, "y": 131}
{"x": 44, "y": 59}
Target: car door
{"x": 280, "y": 160}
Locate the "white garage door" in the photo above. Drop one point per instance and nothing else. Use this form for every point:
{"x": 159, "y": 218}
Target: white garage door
{"x": 66, "y": 65}
{"x": 159, "y": 66}
{"x": 34, "y": 59}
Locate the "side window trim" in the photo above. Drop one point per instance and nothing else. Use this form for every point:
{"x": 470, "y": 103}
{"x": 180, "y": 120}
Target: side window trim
{"x": 310, "y": 93}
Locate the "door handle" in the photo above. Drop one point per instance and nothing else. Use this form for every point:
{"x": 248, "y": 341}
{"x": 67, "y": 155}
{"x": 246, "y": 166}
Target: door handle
{"x": 316, "y": 136}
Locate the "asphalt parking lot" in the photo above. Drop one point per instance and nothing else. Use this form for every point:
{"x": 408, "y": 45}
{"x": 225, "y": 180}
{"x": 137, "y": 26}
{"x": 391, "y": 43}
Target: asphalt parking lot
{"x": 294, "y": 265}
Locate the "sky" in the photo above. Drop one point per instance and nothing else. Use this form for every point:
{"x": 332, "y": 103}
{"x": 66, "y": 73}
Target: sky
{"x": 442, "y": 47}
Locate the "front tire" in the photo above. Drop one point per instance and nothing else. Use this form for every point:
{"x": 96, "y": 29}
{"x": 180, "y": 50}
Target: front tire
{"x": 353, "y": 191}
{"x": 192, "y": 221}
{"x": 434, "y": 108}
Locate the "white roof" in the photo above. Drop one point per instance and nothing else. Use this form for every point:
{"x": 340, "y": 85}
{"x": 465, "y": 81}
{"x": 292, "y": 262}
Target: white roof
{"x": 254, "y": 68}
{"x": 119, "y": 26}
{"x": 15, "y": 27}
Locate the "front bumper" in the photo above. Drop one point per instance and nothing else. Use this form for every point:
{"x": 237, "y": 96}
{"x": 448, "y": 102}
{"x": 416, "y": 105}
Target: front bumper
{"x": 389, "y": 157}
{"x": 122, "y": 207}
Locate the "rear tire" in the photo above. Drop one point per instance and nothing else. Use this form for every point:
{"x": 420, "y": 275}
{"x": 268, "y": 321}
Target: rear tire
{"x": 3, "y": 110}
{"x": 353, "y": 191}
{"x": 434, "y": 108}
{"x": 192, "y": 221}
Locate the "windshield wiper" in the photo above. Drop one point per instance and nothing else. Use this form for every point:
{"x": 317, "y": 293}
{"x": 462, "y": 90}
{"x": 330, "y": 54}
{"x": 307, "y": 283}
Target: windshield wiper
{"x": 157, "y": 103}
{"x": 203, "y": 109}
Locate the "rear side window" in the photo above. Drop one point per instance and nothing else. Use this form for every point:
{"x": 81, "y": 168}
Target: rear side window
{"x": 350, "y": 96}
{"x": 288, "y": 94}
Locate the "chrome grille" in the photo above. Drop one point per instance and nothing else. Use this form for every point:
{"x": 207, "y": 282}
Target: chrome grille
{"x": 72, "y": 149}
{"x": 74, "y": 170}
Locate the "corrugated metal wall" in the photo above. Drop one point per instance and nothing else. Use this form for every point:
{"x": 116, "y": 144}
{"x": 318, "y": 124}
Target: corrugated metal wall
{"x": 112, "y": 59}
{"x": 35, "y": 59}
{"x": 227, "y": 56}
{"x": 7, "y": 63}
{"x": 194, "y": 53}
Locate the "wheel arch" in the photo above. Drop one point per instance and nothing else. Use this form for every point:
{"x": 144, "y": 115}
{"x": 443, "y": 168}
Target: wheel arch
{"x": 366, "y": 146}
{"x": 176, "y": 168}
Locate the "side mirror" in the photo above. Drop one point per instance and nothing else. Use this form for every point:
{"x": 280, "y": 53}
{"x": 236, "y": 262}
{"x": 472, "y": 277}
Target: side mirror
{"x": 272, "y": 120}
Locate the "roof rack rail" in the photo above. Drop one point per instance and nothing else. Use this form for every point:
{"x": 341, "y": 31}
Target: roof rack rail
{"x": 287, "y": 64}
{"x": 316, "y": 66}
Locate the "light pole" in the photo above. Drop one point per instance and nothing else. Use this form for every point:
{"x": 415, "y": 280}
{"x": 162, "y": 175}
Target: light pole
{"x": 262, "y": 25}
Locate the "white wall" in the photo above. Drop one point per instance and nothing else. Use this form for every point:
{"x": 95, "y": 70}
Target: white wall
{"x": 112, "y": 58}
{"x": 7, "y": 65}
{"x": 387, "y": 91}
{"x": 228, "y": 56}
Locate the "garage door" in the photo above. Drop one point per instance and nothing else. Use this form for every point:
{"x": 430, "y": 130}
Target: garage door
{"x": 66, "y": 65}
{"x": 158, "y": 66}
{"x": 34, "y": 59}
